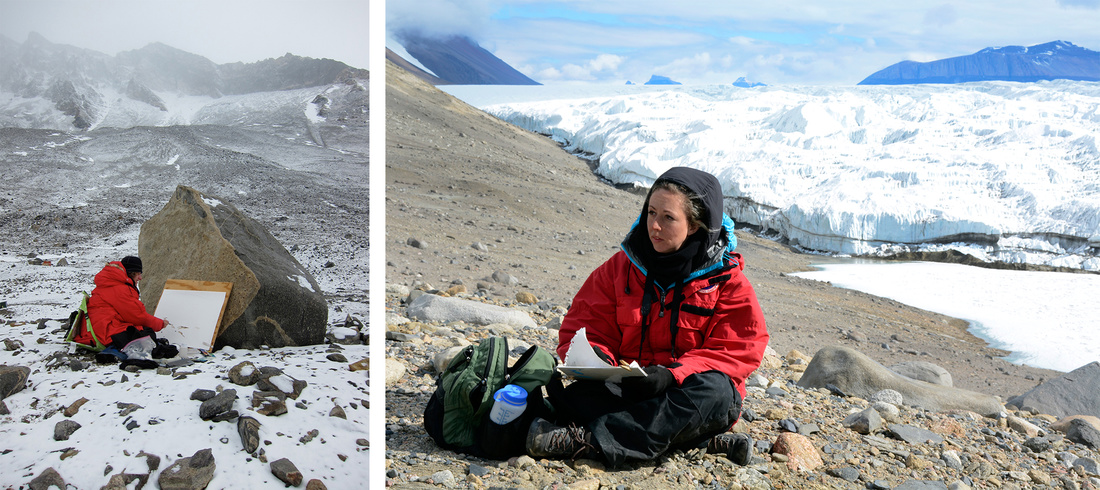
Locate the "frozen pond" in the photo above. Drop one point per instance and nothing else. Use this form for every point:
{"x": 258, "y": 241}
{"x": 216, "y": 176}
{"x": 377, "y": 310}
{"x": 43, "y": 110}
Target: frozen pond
{"x": 1046, "y": 319}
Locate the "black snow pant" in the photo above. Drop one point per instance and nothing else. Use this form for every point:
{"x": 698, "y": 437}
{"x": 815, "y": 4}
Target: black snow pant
{"x": 683, "y": 417}
{"x": 132, "y": 333}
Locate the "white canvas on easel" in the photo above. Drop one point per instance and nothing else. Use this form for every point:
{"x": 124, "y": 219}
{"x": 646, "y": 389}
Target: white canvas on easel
{"x": 194, "y": 310}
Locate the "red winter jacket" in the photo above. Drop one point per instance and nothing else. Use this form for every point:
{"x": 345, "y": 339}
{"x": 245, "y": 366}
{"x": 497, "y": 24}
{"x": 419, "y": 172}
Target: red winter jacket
{"x": 114, "y": 305}
{"x": 721, "y": 325}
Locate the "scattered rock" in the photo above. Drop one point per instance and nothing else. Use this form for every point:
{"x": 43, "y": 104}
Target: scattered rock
{"x": 48, "y": 478}
{"x": 395, "y": 370}
{"x": 249, "y": 430}
{"x": 221, "y": 403}
{"x": 286, "y": 472}
{"x": 1080, "y": 431}
{"x": 191, "y": 473}
{"x": 244, "y": 374}
{"x": 203, "y": 395}
{"x": 75, "y": 407}
{"x": 12, "y": 380}
{"x": 63, "y": 429}
{"x": 526, "y": 298}
{"x": 799, "y": 450}
{"x": 864, "y": 422}
{"x": 338, "y": 411}
{"x": 914, "y": 435}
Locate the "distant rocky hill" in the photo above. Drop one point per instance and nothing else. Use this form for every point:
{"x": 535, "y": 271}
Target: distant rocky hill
{"x": 1058, "y": 60}
{"x": 457, "y": 60}
{"x": 46, "y": 80}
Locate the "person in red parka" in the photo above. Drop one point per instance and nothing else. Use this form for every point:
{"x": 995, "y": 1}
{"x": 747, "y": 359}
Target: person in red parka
{"x": 118, "y": 316}
{"x": 675, "y": 300}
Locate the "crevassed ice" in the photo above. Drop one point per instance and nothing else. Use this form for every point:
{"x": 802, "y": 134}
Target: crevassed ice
{"x": 1012, "y": 167}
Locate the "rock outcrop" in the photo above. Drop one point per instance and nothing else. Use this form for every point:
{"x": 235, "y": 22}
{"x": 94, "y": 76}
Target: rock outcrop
{"x": 274, "y": 301}
{"x": 858, "y": 375}
{"x": 1074, "y": 393}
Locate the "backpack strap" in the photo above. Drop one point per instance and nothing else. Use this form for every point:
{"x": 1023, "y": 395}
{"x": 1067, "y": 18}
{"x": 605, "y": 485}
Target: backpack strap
{"x": 78, "y": 321}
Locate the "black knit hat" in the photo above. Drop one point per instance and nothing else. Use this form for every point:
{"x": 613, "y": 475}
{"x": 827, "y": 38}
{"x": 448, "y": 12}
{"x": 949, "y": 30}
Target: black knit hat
{"x": 131, "y": 264}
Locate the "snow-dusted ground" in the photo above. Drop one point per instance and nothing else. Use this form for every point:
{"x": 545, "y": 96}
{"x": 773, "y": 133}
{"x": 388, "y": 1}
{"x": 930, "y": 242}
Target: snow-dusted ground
{"x": 1013, "y": 310}
{"x": 82, "y": 197}
{"x": 1005, "y": 171}
{"x": 168, "y": 422}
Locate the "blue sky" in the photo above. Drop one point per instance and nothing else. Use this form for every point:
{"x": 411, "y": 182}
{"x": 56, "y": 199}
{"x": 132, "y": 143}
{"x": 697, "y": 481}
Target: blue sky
{"x": 838, "y": 42}
{"x": 223, "y": 31}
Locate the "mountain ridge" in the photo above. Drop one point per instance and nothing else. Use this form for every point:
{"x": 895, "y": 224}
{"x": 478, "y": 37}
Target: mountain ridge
{"x": 457, "y": 60}
{"x": 85, "y": 85}
{"x": 1055, "y": 60}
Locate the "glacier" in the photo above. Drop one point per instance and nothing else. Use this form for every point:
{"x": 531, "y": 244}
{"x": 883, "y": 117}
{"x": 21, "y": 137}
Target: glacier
{"x": 1003, "y": 171}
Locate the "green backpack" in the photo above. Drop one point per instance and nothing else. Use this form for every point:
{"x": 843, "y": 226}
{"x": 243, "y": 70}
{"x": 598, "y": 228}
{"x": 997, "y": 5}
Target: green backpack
{"x": 78, "y": 320}
{"x": 457, "y": 415}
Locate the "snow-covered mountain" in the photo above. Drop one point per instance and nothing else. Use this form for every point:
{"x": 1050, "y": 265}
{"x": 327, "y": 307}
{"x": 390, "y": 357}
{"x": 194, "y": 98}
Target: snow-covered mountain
{"x": 1003, "y": 171}
{"x": 1058, "y": 60}
{"x": 452, "y": 60}
{"x": 55, "y": 86}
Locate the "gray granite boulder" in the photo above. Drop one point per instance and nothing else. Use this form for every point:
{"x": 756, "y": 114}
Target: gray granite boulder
{"x": 434, "y": 308}
{"x": 858, "y": 375}
{"x": 201, "y": 237}
{"x": 1074, "y": 393}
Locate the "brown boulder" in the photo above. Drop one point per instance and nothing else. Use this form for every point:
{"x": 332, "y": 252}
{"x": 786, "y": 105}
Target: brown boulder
{"x": 201, "y": 237}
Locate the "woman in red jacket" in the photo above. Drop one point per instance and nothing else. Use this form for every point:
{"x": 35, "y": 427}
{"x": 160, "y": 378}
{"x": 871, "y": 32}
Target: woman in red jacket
{"x": 675, "y": 300}
{"x": 115, "y": 308}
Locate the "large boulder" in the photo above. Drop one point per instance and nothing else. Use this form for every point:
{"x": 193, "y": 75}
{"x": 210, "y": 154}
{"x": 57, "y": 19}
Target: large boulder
{"x": 858, "y": 375}
{"x": 434, "y": 308}
{"x": 1074, "y": 393}
{"x": 274, "y": 300}
{"x": 12, "y": 379}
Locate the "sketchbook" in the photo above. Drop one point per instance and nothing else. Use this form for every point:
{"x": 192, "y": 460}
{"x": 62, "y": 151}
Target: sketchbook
{"x": 582, "y": 362}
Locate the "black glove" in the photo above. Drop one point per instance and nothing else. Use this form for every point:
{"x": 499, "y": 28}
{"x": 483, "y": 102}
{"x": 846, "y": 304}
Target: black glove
{"x": 603, "y": 355}
{"x": 657, "y": 380}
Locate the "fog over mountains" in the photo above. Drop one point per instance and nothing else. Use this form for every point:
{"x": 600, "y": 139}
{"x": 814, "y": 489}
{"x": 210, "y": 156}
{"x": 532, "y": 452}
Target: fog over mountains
{"x": 56, "y": 86}
{"x": 93, "y": 145}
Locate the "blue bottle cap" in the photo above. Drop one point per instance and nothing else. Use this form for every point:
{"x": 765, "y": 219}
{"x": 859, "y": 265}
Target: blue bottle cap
{"x": 511, "y": 394}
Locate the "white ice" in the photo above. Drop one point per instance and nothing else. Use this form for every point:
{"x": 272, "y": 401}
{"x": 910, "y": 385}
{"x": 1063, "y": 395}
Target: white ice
{"x": 855, "y": 170}
{"x": 1046, "y": 319}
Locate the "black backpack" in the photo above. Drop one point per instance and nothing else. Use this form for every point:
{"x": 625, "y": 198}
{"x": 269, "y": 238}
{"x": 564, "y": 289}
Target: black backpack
{"x": 457, "y": 415}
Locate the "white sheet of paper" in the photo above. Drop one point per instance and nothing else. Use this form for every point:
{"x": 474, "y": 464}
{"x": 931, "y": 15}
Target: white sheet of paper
{"x": 582, "y": 362}
{"x": 193, "y": 316}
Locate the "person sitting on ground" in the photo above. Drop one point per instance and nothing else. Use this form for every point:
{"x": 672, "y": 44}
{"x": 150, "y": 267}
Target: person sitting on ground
{"x": 118, "y": 316}
{"x": 675, "y": 300}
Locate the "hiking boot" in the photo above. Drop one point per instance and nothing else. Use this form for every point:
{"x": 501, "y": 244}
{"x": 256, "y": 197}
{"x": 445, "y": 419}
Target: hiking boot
{"x": 546, "y": 440}
{"x": 737, "y": 447}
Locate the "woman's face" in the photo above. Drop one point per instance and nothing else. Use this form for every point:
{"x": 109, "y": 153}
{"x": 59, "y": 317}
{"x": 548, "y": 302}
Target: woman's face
{"x": 667, "y": 222}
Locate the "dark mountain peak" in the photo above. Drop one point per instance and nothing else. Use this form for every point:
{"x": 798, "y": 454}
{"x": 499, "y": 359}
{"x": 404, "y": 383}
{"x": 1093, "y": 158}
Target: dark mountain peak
{"x": 461, "y": 60}
{"x": 36, "y": 39}
{"x": 1056, "y": 60}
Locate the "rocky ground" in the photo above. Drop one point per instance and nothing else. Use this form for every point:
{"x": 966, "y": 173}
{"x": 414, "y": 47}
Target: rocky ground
{"x": 469, "y": 198}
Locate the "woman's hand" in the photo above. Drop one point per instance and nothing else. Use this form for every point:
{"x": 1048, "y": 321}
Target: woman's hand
{"x": 657, "y": 380}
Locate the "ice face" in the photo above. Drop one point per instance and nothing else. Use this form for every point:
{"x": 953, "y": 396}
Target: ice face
{"x": 1009, "y": 171}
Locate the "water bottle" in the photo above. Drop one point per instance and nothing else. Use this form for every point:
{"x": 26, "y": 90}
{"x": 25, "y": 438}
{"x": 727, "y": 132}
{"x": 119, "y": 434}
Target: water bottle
{"x": 508, "y": 403}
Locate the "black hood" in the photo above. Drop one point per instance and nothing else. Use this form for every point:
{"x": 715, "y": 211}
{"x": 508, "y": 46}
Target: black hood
{"x": 712, "y": 244}
{"x": 708, "y": 189}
